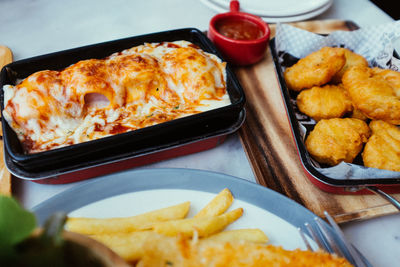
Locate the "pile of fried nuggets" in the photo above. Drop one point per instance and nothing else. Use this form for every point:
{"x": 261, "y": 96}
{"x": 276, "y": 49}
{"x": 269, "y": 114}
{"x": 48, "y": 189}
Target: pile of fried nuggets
{"x": 356, "y": 108}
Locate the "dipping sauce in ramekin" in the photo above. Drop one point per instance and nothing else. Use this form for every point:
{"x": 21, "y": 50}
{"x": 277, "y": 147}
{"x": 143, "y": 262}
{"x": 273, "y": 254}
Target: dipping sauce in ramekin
{"x": 242, "y": 38}
{"x": 239, "y": 29}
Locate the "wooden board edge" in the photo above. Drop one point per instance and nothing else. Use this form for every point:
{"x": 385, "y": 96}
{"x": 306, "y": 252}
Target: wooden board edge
{"x": 369, "y": 213}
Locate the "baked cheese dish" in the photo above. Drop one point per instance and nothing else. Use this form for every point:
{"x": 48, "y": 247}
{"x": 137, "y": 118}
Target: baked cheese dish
{"x": 135, "y": 88}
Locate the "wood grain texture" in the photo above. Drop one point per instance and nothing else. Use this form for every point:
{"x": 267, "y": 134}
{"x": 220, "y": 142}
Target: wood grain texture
{"x": 5, "y": 177}
{"x": 268, "y": 142}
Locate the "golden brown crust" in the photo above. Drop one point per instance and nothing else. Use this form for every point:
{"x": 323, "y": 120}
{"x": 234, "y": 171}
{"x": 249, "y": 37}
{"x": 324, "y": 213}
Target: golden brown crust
{"x": 374, "y": 92}
{"x": 390, "y": 76}
{"x": 182, "y": 252}
{"x": 329, "y": 101}
{"x": 336, "y": 140}
{"x": 382, "y": 150}
{"x": 357, "y": 114}
{"x": 316, "y": 69}
{"x": 352, "y": 59}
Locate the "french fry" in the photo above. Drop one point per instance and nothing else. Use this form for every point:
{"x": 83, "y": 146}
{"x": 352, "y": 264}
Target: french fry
{"x": 249, "y": 235}
{"x": 205, "y": 226}
{"x": 217, "y": 205}
{"x": 129, "y": 246}
{"x": 139, "y": 222}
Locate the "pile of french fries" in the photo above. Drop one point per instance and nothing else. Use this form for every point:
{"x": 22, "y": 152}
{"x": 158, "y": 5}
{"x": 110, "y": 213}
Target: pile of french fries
{"x": 126, "y": 236}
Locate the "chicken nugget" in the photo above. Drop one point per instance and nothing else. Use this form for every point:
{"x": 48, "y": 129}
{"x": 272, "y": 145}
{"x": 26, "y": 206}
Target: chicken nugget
{"x": 391, "y": 76}
{"x": 352, "y": 59}
{"x": 335, "y": 140}
{"x": 382, "y": 151}
{"x": 373, "y": 93}
{"x": 357, "y": 114}
{"x": 329, "y": 101}
{"x": 316, "y": 69}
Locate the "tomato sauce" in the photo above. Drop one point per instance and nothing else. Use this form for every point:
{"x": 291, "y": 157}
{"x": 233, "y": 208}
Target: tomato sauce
{"x": 239, "y": 29}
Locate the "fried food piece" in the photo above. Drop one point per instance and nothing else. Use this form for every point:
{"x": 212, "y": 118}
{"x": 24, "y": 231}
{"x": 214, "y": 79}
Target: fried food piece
{"x": 382, "y": 150}
{"x": 335, "y": 140}
{"x": 129, "y": 246}
{"x": 357, "y": 114}
{"x": 254, "y": 235}
{"x": 329, "y": 101}
{"x": 218, "y": 205}
{"x": 204, "y": 226}
{"x": 374, "y": 92}
{"x": 184, "y": 252}
{"x": 316, "y": 69}
{"x": 144, "y": 221}
{"x": 391, "y": 76}
{"x": 352, "y": 59}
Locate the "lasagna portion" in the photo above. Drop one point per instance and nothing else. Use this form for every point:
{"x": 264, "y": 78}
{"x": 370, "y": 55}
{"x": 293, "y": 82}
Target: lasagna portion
{"x": 131, "y": 89}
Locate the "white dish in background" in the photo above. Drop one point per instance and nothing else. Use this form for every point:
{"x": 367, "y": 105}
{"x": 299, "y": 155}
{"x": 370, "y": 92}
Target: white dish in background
{"x": 274, "y": 19}
{"x": 281, "y": 8}
{"x": 137, "y": 191}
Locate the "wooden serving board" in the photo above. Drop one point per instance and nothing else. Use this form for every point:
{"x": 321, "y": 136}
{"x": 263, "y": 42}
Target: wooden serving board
{"x": 267, "y": 139}
{"x": 5, "y": 176}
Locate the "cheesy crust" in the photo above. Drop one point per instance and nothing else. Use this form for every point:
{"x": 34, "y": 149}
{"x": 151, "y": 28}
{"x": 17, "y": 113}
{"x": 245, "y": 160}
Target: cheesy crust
{"x": 135, "y": 88}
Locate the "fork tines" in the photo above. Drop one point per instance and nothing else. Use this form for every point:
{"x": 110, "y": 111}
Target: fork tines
{"x": 331, "y": 240}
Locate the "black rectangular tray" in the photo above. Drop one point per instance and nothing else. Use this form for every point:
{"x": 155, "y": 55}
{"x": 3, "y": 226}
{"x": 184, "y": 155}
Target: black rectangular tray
{"x": 310, "y": 169}
{"x": 120, "y": 143}
{"x": 100, "y": 164}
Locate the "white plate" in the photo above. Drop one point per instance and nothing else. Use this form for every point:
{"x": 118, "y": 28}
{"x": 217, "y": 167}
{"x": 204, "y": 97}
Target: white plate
{"x": 278, "y": 230}
{"x": 275, "y": 19}
{"x": 281, "y": 8}
{"x": 137, "y": 191}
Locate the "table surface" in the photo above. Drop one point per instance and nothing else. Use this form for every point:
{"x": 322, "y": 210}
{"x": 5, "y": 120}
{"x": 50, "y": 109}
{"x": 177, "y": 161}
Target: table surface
{"x": 33, "y": 28}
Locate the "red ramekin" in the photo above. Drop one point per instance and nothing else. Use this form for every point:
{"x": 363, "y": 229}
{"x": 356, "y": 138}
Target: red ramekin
{"x": 239, "y": 52}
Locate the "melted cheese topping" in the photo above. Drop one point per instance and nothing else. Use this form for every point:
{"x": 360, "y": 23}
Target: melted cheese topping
{"x": 131, "y": 89}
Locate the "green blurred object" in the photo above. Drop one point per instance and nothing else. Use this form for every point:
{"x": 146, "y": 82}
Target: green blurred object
{"x": 16, "y": 224}
{"x": 18, "y": 247}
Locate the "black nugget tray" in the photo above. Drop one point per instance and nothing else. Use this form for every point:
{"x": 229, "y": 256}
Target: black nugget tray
{"x": 120, "y": 143}
{"x": 289, "y": 98}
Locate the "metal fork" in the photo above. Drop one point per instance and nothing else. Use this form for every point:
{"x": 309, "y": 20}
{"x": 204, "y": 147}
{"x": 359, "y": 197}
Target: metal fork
{"x": 332, "y": 240}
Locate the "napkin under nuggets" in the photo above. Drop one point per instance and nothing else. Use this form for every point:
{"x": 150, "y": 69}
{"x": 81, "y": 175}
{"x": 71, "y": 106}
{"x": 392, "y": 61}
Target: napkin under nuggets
{"x": 335, "y": 140}
{"x": 375, "y": 92}
{"x": 316, "y": 69}
{"x": 382, "y": 150}
{"x": 329, "y": 101}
